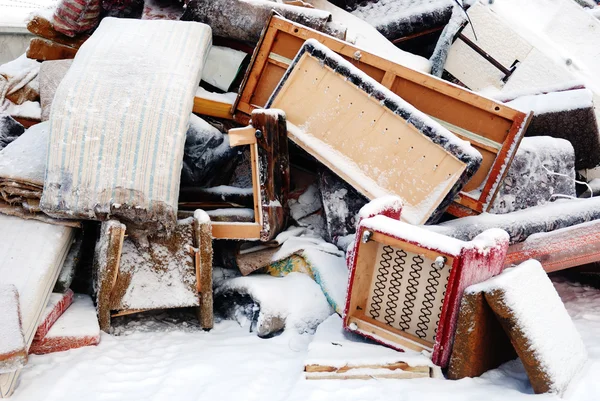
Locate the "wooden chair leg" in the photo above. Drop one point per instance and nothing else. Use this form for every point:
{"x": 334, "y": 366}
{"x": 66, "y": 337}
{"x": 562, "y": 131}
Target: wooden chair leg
{"x": 204, "y": 259}
{"x": 107, "y": 261}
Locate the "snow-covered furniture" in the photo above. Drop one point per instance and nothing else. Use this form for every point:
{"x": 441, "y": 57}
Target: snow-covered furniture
{"x": 406, "y": 283}
{"x": 267, "y": 138}
{"x": 124, "y": 104}
{"x": 523, "y": 303}
{"x": 166, "y": 270}
{"x": 31, "y": 256}
{"x": 491, "y": 127}
{"x": 369, "y": 136}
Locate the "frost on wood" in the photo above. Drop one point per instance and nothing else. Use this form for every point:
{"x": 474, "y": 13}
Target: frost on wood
{"x": 294, "y": 302}
{"x": 523, "y": 223}
{"x": 372, "y": 178}
{"x": 534, "y": 317}
{"x": 157, "y": 272}
{"x": 77, "y": 327}
{"x": 542, "y": 168}
{"x": 244, "y": 19}
{"x": 13, "y": 350}
{"x": 207, "y": 155}
{"x": 129, "y": 118}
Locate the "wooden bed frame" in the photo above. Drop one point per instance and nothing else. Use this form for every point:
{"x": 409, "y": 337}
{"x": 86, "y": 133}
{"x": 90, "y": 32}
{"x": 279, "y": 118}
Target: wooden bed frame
{"x": 493, "y": 128}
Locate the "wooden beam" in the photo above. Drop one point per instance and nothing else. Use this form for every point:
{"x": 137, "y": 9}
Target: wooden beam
{"x": 212, "y": 108}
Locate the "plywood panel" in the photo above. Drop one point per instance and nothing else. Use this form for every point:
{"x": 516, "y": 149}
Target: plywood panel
{"x": 269, "y": 79}
{"x": 453, "y": 110}
{"x": 393, "y": 156}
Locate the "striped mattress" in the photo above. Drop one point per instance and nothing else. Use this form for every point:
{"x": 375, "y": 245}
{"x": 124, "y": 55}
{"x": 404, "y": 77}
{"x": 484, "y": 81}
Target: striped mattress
{"x": 119, "y": 119}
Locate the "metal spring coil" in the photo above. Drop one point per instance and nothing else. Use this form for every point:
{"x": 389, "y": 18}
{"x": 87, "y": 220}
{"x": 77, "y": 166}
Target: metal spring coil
{"x": 395, "y": 283}
{"x": 411, "y": 290}
{"x": 426, "y": 311}
{"x": 380, "y": 280}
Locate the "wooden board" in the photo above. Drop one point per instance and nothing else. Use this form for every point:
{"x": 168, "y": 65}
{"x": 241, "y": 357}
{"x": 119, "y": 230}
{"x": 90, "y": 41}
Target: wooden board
{"x": 212, "y": 108}
{"x": 489, "y": 126}
{"x": 400, "y": 370}
{"x": 379, "y": 153}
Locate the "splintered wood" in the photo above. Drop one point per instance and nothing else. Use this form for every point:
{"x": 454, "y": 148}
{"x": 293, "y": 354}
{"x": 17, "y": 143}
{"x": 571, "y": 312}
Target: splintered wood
{"x": 398, "y": 370}
{"x": 493, "y": 128}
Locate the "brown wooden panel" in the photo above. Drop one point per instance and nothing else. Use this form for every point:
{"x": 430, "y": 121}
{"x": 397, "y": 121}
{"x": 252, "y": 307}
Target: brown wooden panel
{"x": 452, "y": 110}
{"x": 269, "y": 79}
{"x": 480, "y": 176}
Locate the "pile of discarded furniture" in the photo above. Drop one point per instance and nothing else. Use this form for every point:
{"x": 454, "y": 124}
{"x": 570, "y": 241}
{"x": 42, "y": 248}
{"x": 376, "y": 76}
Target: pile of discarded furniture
{"x": 145, "y": 146}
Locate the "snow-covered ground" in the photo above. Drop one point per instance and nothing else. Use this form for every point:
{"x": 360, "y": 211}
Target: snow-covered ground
{"x": 155, "y": 359}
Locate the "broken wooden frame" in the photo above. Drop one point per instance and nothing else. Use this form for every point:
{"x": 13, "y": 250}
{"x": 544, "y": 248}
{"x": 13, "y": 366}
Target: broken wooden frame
{"x": 267, "y": 138}
{"x": 494, "y": 129}
{"x": 399, "y": 370}
{"x": 113, "y": 283}
{"x": 371, "y": 138}
{"x": 390, "y": 298}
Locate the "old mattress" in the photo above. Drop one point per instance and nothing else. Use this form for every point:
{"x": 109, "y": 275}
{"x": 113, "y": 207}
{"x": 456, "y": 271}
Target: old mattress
{"x": 119, "y": 120}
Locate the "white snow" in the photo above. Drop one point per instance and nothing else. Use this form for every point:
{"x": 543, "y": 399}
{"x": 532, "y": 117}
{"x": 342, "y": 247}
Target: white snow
{"x": 307, "y": 203}
{"x": 15, "y": 13}
{"x": 24, "y": 159}
{"x": 295, "y": 298}
{"x": 365, "y": 36}
{"x": 11, "y": 333}
{"x": 228, "y": 97}
{"x": 380, "y": 205}
{"x": 79, "y": 320}
{"x": 332, "y": 346}
{"x": 554, "y": 101}
{"x": 415, "y": 234}
{"x": 385, "y": 12}
{"x": 542, "y": 318}
{"x": 177, "y": 361}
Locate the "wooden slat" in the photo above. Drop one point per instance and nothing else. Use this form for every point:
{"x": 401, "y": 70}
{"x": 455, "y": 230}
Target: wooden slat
{"x": 242, "y": 136}
{"x": 372, "y": 327}
{"x": 249, "y": 231}
{"x": 212, "y": 108}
